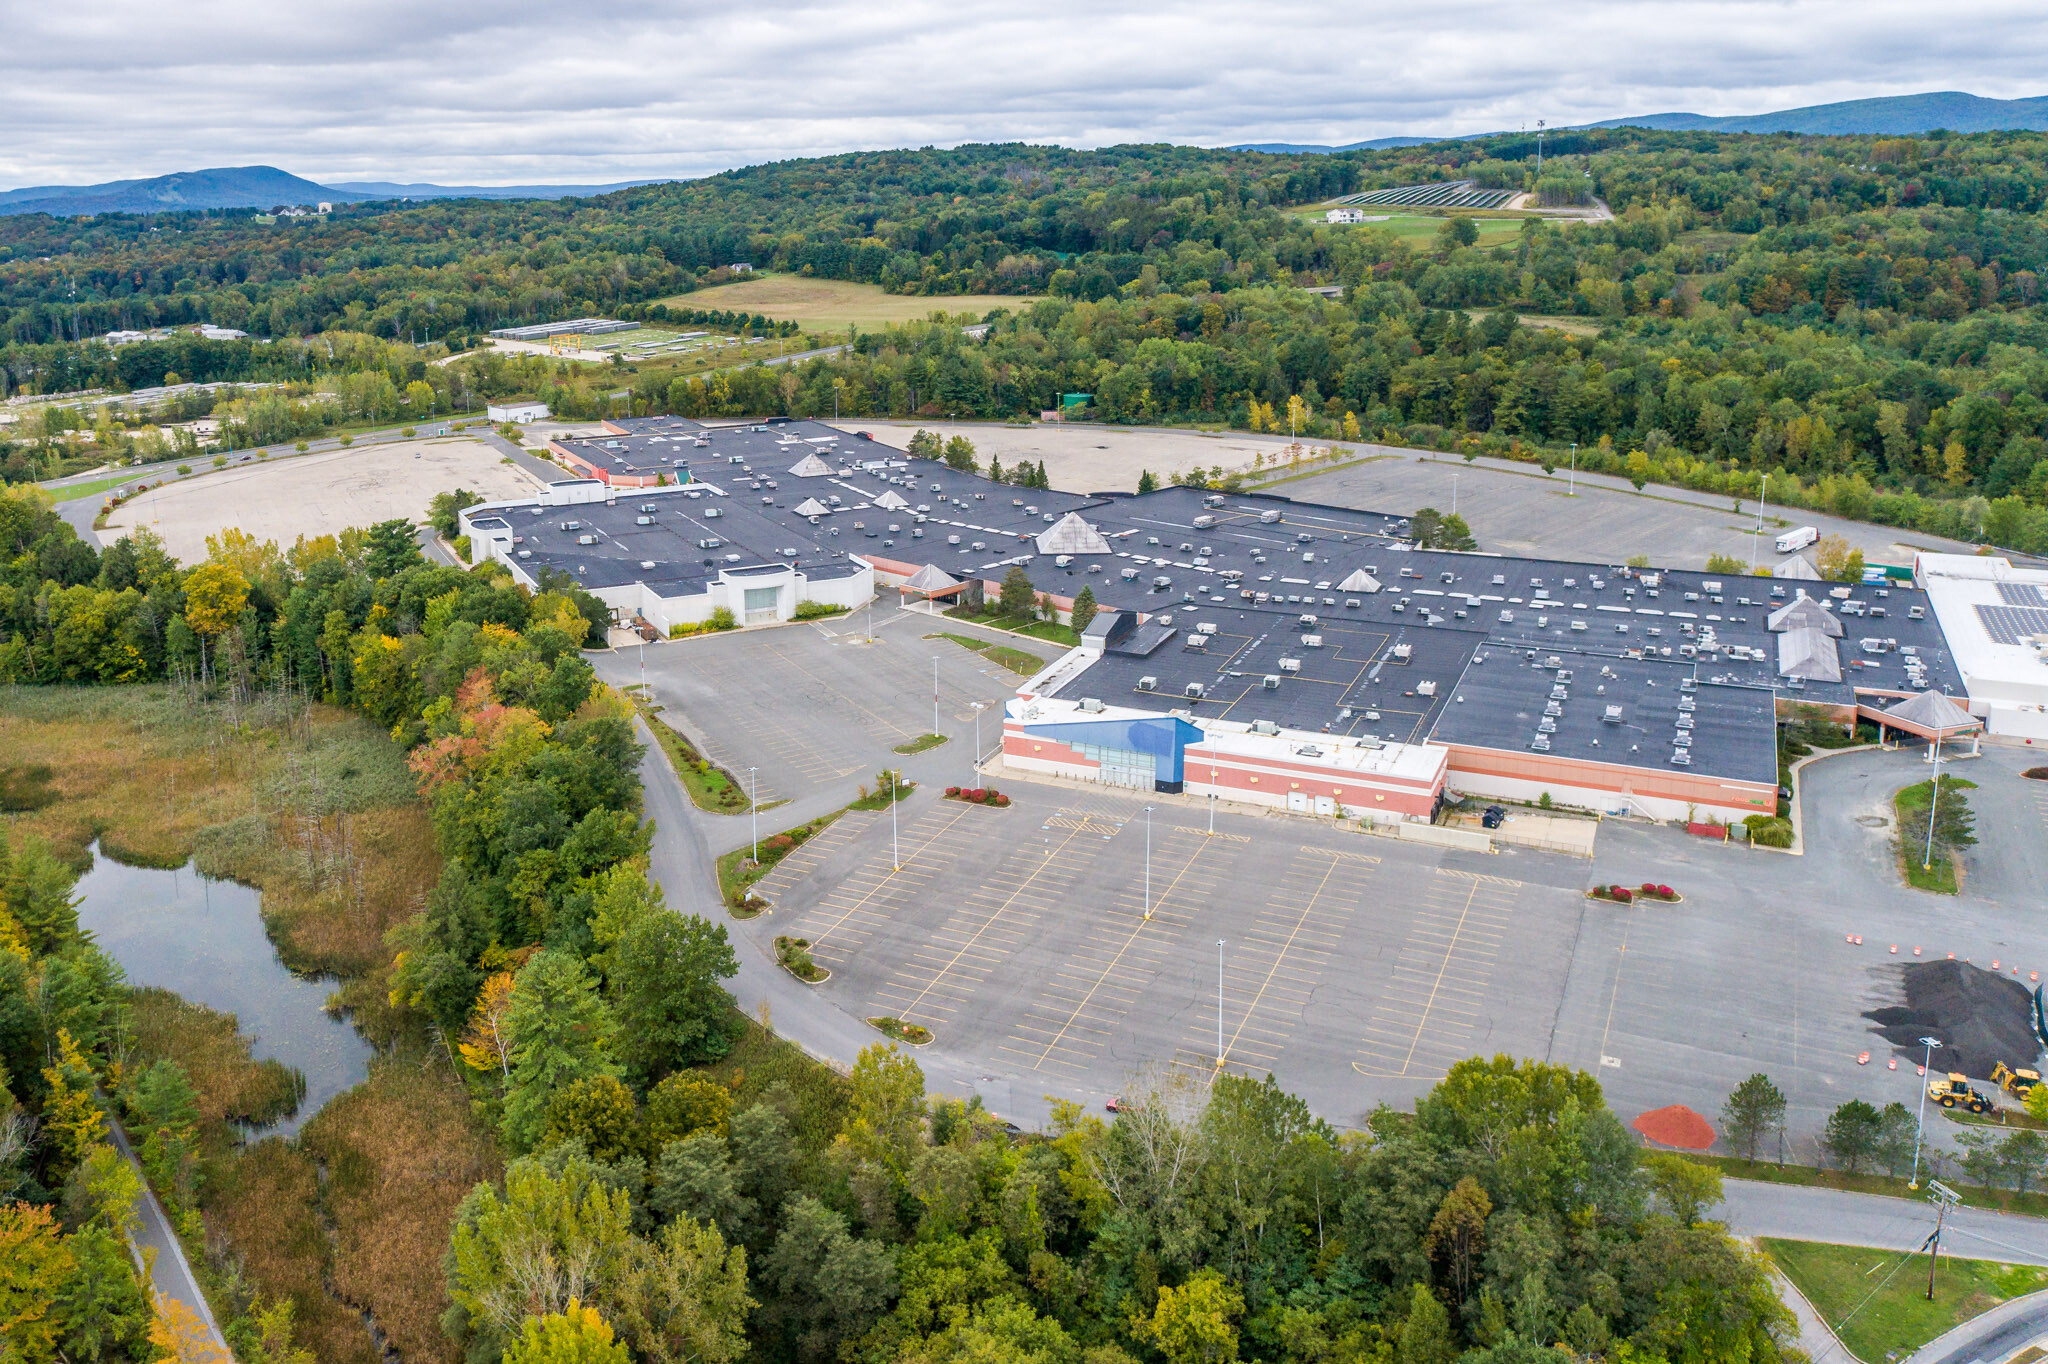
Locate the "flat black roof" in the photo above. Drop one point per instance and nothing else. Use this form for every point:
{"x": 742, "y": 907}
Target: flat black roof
{"x": 1627, "y": 711}
{"x": 1362, "y": 677}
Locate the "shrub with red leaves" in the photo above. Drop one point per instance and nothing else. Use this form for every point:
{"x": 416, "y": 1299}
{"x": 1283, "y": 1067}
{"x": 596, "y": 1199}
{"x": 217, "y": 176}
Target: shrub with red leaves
{"x": 952, "y": 790}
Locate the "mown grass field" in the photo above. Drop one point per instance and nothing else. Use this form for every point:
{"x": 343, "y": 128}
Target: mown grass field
{"x": 831, "y": 305}
{"x": 1876, "y": 1300}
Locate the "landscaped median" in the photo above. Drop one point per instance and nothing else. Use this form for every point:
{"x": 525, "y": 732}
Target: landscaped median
{"x": 738, "y": 870}
{"x": 794, "y": 956}
{"x": 915, "y": 1034}
{"x": 1927, "y": 854}
{"x": 1649, "y": 891}
{"x": 978, "y": 795}
{"x": 711, "y": 787}
{"x": 1876, "y": 1300}
{"x": 1016, "y": 660}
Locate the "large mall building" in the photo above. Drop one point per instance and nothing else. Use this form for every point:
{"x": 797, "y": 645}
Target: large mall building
{"x": 1289, "y": 653}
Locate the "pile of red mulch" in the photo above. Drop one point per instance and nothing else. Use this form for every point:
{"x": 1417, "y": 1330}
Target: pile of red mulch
{"x": 1676, "y": 1126}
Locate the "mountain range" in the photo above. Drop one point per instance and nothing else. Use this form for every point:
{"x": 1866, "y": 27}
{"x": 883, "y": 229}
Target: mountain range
{"x": 1955, "y": 110}
{"x": 255, "y": 187}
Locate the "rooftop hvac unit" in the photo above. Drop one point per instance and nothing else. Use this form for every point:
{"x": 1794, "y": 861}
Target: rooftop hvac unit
{"x": 1193, "y": 691}
{"x": 1207, "y": 627}
{"x": 1403, "y": 652}
{"x": 1308, "y": 622}
{"x": 1311, "y": 641}
{"x": 1541, "y": 743}
{"x": 1547, "y": 725}
{"x": 1269, "y": 517}
{"x": 647, "y": 563}
{"x": 789, "y": 553}
{"x": 1681, "y": 740}
{"x": 1611, "y": 715}
{"x": 1290, "y": 665}
{"x": 1426, "y": 688}
{"x": 648, "y": 507}
{"x": 1687, "y": 704}
{"x": 643, "y": 520}
{"x": 1688, "y": 684}
{"x": 1204, "y": 522}
{"x": 1196, "y": 642}
{"x": 1091, "y": 704}
{"x": 1558, "y": 693}
{"x": 1370, "y": 741}
{"x": 572, "y": 525}
{"x": 1681, "y": 758}
{"x": 1266, "y": 727}
{"x": 1271, "y": 682}
{"x": 1308, "y": 751}
{"x": 713, "y": 511}
{"x": 526, "y": 554}
{"x": 1685, "y": 722}
{"x": 952, "y": 539}
{"x": 1552, "y": 708}
{"x": 586, "y": 539}
{"x": 1148, "y": 684}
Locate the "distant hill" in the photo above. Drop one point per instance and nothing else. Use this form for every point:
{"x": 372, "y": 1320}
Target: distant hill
{"x": 1951, "y": 109}
{"x": 1954, "y": 110}
{"x": 1310, "y": 148}
{"x": 385, "y": 189}
{"x": 255, "y": 187}
{"x": 226, "y": 187}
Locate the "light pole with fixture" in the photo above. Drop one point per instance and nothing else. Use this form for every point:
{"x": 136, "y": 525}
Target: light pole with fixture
{"x": 1571, "y": 484}
{"x": 1219, "y": 1004}
{"x": 1148, "y": 862}
{"x": 895, "y": 849}
{"x": 1926, "y": 1065}
{"x": 754, "y": 808}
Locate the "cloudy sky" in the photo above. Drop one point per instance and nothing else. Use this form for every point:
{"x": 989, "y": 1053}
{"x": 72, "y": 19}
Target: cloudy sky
{"x": 518, "y": 91}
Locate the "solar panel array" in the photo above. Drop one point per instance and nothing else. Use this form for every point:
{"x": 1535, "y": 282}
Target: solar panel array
{"x": 2012, "y": 624}
{"x": 2023, "y": 594}
{"x": 1454, "y": 194}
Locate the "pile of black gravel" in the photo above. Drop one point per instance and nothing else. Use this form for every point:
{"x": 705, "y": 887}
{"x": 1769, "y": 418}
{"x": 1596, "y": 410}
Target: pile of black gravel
{"x": 1979, "y": 1016}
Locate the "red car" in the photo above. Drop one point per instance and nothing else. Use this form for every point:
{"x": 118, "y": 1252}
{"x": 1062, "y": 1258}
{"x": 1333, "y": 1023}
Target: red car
{"x": 1115, "y": 1105}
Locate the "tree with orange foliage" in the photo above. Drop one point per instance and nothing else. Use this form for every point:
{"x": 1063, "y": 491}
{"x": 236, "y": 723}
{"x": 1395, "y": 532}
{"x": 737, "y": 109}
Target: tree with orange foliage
{"x": 34, "y": 1263}
{"x": 178, "y": 1331}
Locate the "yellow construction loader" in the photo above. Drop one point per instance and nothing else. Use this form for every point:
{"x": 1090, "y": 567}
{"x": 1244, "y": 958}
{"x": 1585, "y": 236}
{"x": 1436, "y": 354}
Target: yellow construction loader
{"x": 2015, "y": 1082}
{"x": 1955, "y": 1092}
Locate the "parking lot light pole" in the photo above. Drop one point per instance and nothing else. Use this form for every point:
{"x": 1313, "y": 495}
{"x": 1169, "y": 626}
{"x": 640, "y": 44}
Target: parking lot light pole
{"x": 1219, "y": 1004}
{"x": 1571, "y": 485}
{"x": 979, "y": 707}
{"x": 1926, "y": 1065}
{"x": 935, "y": 693}
{"x": 1933, "y": 800}
{"x": 754, "y": 808}
{"x": 1148, "y": 861}
{"x": 895, "y": 849}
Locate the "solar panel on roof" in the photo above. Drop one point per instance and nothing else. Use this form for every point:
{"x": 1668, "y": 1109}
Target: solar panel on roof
{"x": 2011, "y": 624}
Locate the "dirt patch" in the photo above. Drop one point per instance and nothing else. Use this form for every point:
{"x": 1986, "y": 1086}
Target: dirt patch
{"x": 2037, "y": 773}
{"x": 1676, "y": 1126}
{"x": 1979, "y": 1017}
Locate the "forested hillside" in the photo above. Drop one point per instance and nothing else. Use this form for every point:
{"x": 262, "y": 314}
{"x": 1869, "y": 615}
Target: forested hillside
{"x": 1859, "y": 317}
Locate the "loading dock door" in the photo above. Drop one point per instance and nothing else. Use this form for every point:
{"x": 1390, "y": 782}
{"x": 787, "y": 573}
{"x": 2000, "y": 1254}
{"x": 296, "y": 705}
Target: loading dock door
{"x": 1298, "y": 800}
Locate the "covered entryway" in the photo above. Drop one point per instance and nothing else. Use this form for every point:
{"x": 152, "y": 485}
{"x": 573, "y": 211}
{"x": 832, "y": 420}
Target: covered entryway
{"x": 761, "y": 604}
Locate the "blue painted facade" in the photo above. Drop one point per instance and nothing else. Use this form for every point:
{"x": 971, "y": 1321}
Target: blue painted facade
{"x": 1163, "y": 738}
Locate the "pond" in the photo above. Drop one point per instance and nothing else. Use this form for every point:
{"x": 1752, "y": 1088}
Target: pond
{"x": 204, "y": 939}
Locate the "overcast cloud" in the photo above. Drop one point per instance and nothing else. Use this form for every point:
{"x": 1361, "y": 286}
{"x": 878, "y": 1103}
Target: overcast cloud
{"x": 517, "y": 91}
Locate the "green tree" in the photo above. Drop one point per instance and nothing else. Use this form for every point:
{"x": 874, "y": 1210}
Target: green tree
{"x": 924, "y": 444}
{"x": 598, "y": 1111}
{"x": 1955, "y": 823}
{"x": 695, "y": 1178}
{"x": 684, "y": 1103}
{"x": 36, "y": 892}
{"x": 1725, "y": 563}
{"x": 1147, "y": 481}
{"x": 1457, "y": 1234}
{"x": 548, "y": 1240}
{"x": 561, "y": 1033}
{"x": 960, "y": 455}
{"x": 1686, "y": 1187}
{"x": 1752, "y": 1115}
{"x": 1852, "y": 1133}
{"x": 1018, "y": 594}
{"x": 1195, "y": 1323}
{"x": 1084, "y": 607}
{"x": 682, "y": 1299}
{"x": 824, "y": 1286}
{"x": 1896, "y": 1134}
{"x": 35, "y": 1263}
{"x": 101, "y": 1311}
{"x": 443, "y": 510}
{"x": 1424, "y": 1335}
{"x": 1457, "y": 232}
{"x": 671, "y": 1010}
{"x": 574, "y": 1335}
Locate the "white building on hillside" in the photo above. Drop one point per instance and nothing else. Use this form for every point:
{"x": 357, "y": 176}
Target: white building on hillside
{"x": 1995, "y": 617}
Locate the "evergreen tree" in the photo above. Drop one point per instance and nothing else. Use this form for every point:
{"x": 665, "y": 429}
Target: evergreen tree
{"x": 1754, "y": 1112}
{"x": 1084, "y": 607}
{"x": 561, "y": 1033}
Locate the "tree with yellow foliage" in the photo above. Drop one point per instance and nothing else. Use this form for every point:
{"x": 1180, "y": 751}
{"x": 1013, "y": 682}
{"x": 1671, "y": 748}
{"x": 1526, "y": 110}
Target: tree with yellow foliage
{"x": 487, "y": 1042}
{"x": 575, "y": 1335}
{"x": 1352, "y": 430}
{"x": 34, "y": 1264}
{"x": 182, "y": 1337}
{"x": 1955, "y": 464}
{"x": 72, "y": 1117}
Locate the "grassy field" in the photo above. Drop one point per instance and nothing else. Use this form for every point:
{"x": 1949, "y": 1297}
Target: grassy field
{"x": 831, "y": 305}
{"x": 1876, "y": 1300}
{"x": 1410, "y": 225}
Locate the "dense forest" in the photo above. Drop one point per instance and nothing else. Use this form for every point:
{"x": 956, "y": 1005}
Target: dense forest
{"x": 1860, "y": 318}
{"x": 658, "y": 1207}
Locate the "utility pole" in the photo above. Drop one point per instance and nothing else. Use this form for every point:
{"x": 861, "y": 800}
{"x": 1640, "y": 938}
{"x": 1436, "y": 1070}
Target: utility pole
{"x": 1943, "y": 1198}
{"x": 1539, "y": 148}
{"x": 1926, "y": 1065}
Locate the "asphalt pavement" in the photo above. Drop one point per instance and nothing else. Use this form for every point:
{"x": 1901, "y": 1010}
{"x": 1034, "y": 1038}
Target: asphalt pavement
{"x": 1794, "y": 1213}
{"x": 153, "y": 1237}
